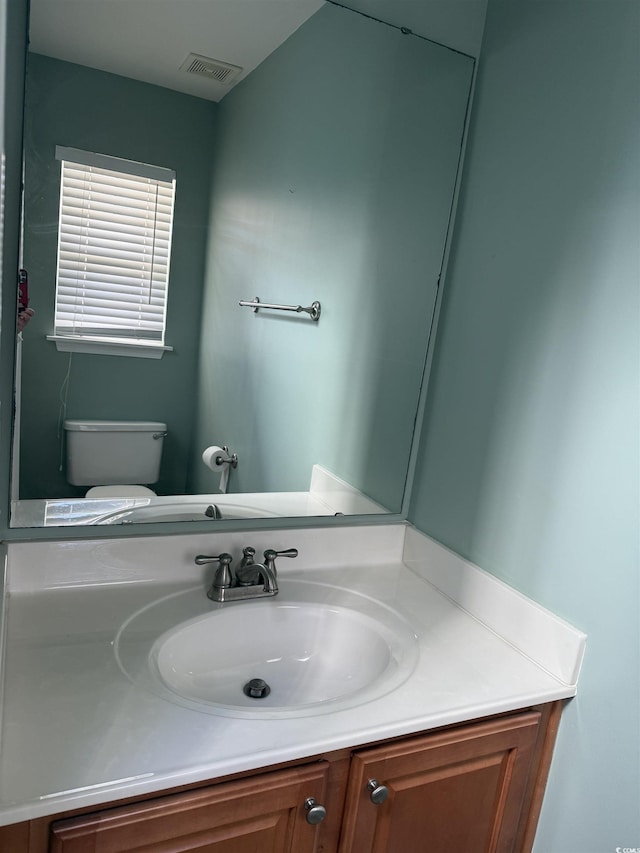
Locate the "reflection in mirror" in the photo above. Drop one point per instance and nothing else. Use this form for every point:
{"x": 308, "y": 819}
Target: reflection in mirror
{"x": 326, "y": 174}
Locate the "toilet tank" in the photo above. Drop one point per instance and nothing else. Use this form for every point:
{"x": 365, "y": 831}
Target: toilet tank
{"x": 118, "y": 453}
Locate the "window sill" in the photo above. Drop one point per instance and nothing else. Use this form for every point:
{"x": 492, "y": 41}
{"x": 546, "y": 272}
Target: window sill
{"x": 113, "y": 346}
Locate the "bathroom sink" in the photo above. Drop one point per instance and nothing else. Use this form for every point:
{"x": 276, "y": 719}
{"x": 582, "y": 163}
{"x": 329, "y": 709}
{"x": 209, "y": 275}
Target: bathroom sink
{"x": 312, "y": 649}
{"x": 178, "y": 511}
{"x": 306, "y": 654}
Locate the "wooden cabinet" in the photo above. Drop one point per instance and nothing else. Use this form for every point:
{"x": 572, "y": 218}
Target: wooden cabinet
{"x": 265, "y": 814}
{"x": 471, "y": 788}
{"x": 462, "y": 790}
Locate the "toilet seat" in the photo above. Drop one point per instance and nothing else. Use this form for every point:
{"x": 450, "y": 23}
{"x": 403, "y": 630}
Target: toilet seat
{"x": 120, "y": 492}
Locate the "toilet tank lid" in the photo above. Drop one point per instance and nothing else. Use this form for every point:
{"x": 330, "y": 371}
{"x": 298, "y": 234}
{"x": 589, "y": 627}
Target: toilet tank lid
{"x": 115, "y": 426}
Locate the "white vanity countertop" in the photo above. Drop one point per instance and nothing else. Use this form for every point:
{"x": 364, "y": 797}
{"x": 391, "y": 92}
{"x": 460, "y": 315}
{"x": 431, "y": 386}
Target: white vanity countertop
{"x": 77, "y": 732}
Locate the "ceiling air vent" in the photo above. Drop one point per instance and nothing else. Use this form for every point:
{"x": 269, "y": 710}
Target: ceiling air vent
{"x": 214, "y": 69}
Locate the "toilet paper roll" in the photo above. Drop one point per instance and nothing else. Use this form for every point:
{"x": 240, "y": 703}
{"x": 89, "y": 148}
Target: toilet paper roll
{"x": 212, "y": 458}
{"x": 224, "y": 480}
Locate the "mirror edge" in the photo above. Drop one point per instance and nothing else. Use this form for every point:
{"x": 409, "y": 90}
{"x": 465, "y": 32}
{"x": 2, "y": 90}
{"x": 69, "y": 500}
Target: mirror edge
{"x": 13, "y": 50}
{"x": 435, "y": 317}
{"x": 170, "y": 528}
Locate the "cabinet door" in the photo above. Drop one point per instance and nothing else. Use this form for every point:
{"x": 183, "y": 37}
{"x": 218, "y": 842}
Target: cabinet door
{"x": 261, "y": 814}
{"x": 458, "y": 791}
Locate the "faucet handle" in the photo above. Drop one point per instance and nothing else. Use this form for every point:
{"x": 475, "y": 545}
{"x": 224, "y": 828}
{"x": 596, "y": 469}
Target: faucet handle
{"x": 222, "y": 577}
{"x": 203, "y": 559}
{"x": 270, "y": 556}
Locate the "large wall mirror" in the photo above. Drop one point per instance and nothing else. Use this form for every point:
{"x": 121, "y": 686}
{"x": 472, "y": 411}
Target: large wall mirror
{"x": 323, "y": 171}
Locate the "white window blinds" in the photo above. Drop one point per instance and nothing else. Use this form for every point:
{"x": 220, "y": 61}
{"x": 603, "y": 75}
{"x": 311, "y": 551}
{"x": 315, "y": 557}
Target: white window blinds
{"x": 114, "y": 247}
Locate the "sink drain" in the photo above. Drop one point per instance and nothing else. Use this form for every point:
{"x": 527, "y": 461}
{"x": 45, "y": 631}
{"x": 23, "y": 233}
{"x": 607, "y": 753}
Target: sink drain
{"x": 257, "y": 688}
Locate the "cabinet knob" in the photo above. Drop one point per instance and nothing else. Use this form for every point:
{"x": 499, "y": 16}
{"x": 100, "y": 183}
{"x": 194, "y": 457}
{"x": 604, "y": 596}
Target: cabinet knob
{"x": 315, "y": 812}
{"x": 378, "y": 793}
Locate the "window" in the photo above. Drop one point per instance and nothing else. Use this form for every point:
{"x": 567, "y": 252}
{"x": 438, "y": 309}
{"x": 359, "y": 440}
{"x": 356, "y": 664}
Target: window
{"x": 114, "y": 248}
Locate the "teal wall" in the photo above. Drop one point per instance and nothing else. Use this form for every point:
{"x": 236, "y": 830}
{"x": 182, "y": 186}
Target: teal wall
{"x": 75, "y": 106}
{"x": 335, "y": 167}
{"x": 529, "y": 455}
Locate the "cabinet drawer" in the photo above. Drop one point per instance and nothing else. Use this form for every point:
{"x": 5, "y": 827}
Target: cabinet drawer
{"x": 261, "y": 814}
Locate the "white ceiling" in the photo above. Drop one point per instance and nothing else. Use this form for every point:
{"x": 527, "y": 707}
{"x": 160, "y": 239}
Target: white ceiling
{"x": 149, "y": 40}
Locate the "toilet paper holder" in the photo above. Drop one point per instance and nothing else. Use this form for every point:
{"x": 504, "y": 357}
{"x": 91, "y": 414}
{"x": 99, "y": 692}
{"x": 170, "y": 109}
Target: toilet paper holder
{"x": 225, "y": 457}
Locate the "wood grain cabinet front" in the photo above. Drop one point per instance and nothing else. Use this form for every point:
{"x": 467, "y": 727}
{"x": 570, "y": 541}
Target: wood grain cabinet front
{"x": 263, "y": 814}
{"x": 458, "y": 791}
{"x": 469, "y": 788}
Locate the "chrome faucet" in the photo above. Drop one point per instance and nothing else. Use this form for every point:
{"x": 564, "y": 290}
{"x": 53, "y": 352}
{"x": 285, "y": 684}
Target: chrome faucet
{"x": 252, "y": 580}
{"x": 248, "y": 574}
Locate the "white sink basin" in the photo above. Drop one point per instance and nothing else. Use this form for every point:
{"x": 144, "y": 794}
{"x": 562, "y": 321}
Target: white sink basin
{"x": 318, "y": 648}
{"x": 178, "y": 511}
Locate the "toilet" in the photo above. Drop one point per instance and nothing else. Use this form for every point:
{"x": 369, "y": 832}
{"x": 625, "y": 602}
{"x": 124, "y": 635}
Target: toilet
{"x": 118, "y": 459}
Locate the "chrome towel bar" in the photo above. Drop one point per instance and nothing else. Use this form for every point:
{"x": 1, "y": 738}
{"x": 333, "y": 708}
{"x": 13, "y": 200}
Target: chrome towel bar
{"x": 313, "y": 310}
